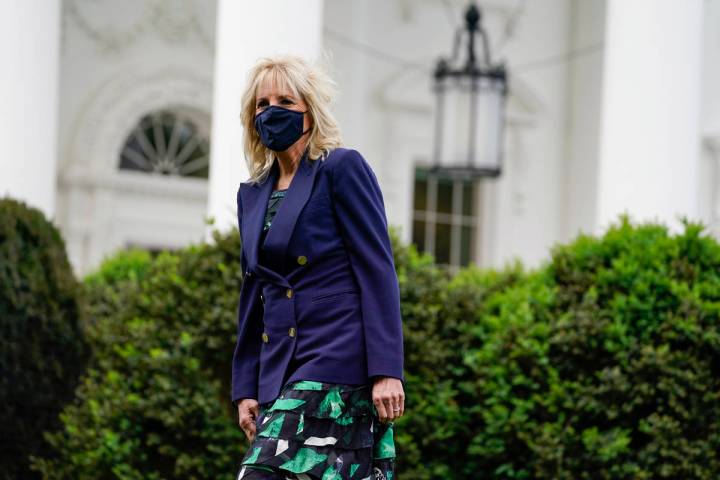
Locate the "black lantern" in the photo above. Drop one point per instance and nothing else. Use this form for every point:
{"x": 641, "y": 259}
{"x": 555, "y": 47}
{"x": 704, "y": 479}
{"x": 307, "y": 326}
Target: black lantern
{"x": 470, "y": 111}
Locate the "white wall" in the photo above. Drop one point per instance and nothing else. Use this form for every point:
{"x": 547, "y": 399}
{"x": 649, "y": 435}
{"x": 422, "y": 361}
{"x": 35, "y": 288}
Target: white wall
{"x": 650, "y": 127}
{"x": 29, "y": 58}
{"x": 382, "y": 54}
{"x": 582, "y": 133}
{"x": 386, "y": 108}
{"x": 709, "y": 168}
{"x": 121, "y": 60}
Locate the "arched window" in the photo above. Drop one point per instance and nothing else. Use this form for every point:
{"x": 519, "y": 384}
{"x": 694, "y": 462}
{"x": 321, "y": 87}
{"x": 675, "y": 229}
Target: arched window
{"x": 167, "y": 143}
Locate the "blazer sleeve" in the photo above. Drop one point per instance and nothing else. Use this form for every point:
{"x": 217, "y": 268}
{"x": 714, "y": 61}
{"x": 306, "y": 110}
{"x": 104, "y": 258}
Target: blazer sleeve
{"x": 246, "y": 357}
{"x": 360, "y": 211}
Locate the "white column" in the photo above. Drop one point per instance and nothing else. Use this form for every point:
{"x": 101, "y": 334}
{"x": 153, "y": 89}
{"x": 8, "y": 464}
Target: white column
{"x": 245, "y": 32}
{"x": 650, "y": 130}
{"x": 29, "y": 77}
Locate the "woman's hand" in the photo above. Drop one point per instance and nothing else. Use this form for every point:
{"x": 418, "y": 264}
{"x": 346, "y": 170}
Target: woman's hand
{"x": 248, "y": 411}
{"x": 388, "y": 397}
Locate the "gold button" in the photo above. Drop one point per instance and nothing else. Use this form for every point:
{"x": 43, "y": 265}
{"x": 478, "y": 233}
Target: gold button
{"x": 289, "y": 293}
{"x": 302, "y": 259}
{"x": 265, "y": 337}
{"x": 291, "y": 332}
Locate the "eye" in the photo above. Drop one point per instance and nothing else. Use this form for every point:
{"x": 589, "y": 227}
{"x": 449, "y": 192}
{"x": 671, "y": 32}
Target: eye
{"x": 261, "y": 103}
{"x": 287, "y": 101}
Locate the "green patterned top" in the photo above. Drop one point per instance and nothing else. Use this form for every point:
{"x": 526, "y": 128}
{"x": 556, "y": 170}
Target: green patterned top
{"x": 273, "y": 205}
{"x": 274, "y": 201}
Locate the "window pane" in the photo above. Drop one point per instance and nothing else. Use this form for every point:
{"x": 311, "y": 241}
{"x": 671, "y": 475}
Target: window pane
{"x": 421, "y": 172}
{"x": 467, "y": 203}
{"x": 420, "y": 194}
{"x": 444, "y": 195}
{"x": 466, "y": 242}
{"x": 418, "y": 235}
{"x": 442, "y": 243}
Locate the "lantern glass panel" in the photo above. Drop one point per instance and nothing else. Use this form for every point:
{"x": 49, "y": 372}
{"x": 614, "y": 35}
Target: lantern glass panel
{"x": 490, "y": 107}
{"x": 454, "y": 102}
{"x": 471, "y": 116}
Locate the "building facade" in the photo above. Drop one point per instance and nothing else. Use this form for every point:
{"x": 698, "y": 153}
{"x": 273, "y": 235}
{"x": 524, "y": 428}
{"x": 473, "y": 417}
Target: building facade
{"x": 613, "y": 106}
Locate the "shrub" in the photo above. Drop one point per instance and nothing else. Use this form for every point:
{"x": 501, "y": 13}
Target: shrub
{"x": 125, "y": 265}
{"x": 155, "y": 403}
{"x": 42, "y": 345}
{"x": 605, "y": 364}
{"x": 602, "y": 363}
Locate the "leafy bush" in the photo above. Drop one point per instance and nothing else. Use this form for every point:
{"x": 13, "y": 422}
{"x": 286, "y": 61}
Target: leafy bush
{"x": 602, "y": 363}
{"x": 132, "y": 264}
{"x": 440, "y": 313}
{"x": 42, "y": 345}
{"x": 155, "y": 403}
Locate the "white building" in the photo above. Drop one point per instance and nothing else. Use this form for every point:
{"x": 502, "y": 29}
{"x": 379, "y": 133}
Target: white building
{"x": 111, "y": 110}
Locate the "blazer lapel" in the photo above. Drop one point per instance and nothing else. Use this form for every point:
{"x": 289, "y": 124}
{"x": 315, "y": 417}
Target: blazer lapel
{"x": 255, "y": 202}
{"x": 283, "y": 224}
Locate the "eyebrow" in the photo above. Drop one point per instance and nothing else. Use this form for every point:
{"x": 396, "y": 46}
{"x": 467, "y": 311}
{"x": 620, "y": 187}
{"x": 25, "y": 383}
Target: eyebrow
{"x": 289, "y": 95}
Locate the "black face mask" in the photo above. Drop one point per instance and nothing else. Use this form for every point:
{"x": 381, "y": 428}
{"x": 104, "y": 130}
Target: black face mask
{"x": 279, "y": 127}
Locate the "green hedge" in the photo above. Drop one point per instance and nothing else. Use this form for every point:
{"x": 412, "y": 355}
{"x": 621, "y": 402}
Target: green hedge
{"x": 155, "y": 401}
{"x": 42, "y": 345}
{"x": 602, "y": 363}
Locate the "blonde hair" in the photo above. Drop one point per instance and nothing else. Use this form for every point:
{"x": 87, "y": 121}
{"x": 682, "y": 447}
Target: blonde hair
{"x": 306, "y": 81}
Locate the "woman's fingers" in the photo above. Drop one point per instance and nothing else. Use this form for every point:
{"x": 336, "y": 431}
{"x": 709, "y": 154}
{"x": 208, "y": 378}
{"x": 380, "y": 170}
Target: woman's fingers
{"x": 387, "y": 407}
{"x": 391, "y": 402}
{"x": 390, "y": 408}
{"x": 380, "y": 407}
{"x": 248, "y": 411}
{"x": 247, "y": 423}
{"x": 389, "y": 398}
{"x": 394, "y": 406}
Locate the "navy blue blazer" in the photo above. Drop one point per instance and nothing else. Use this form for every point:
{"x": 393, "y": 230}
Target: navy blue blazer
{"x": 325, "y": 305}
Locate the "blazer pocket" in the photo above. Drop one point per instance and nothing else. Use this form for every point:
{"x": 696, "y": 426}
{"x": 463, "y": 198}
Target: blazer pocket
{"x": 332, "y": 295}
{"x": 316, "y": 203}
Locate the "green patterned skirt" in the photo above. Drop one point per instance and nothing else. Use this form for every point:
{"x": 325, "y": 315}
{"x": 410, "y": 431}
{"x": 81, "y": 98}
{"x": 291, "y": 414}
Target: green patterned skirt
{"x": 317, "y": 430}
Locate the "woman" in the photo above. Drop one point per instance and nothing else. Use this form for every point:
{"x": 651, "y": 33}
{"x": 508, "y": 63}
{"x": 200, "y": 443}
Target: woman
{"x": 317, "y": 373}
